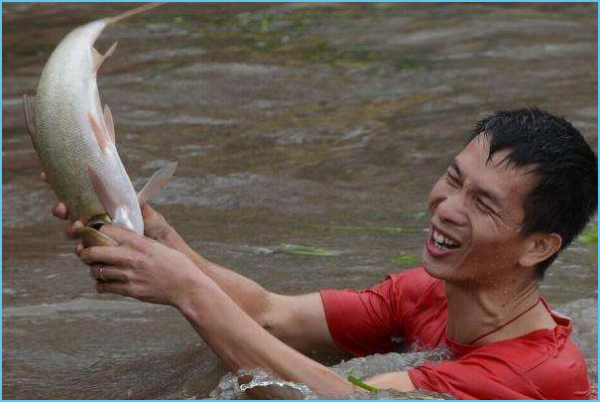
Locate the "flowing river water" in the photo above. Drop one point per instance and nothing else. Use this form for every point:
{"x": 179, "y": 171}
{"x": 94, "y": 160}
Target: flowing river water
{"x": 314, "y": 125}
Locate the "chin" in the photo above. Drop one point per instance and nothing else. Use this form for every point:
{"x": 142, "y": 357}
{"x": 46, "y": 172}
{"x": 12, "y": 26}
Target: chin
{"x": 443, "y": 270}
{"x": 432, "y": 268}
{"x": 450, "y": 274}
{"x": 434, "y": 271}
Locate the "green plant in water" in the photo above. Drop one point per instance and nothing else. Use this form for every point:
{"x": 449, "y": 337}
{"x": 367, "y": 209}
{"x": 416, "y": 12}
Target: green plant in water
{"x": 405, "y": 260}
{"x": 296, "y": 249}
{"x": 590, "y": 234}
{"x": 407, "y": 64}
{"x": 264, "y": 24}
{"x": 381, "y": 229}
{"x": 359, "y": 383}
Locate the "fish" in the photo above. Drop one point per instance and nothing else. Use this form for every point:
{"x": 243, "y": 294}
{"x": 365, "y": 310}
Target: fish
{"x": 74, "y": 136}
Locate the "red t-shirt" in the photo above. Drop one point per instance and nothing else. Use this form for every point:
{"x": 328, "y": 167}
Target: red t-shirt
{"x": 544, "y": 364}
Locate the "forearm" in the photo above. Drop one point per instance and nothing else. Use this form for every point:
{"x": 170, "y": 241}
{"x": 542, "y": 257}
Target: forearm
{"x": 252, "y": 298}
{"x": 242, "y": 343}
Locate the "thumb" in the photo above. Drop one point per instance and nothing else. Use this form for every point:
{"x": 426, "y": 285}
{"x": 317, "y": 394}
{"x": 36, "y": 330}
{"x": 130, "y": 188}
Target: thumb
{"x": 147, "y": 210}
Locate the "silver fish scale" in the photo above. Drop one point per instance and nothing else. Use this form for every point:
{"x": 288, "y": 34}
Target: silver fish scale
{"x": 65, "y": 158}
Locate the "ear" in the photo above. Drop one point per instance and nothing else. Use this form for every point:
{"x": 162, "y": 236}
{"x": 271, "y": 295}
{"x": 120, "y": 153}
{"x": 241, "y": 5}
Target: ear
{"x": 540, "y": 247}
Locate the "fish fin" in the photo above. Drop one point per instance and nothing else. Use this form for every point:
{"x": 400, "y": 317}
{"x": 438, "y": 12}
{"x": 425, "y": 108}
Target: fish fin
{"x": 97, "y": 56}
{"x": 157, "y": 182}
{"x": 97, "y": 129}
{"x": 110, "y": 125}
{"x": 104, "y": 195}
{"x": 131, "y": 13}
{"x": 29, "y": 109}
{"x": 100, "y": 58}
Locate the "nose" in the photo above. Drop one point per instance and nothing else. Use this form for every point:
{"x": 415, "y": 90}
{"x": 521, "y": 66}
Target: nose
{"x": 451, "y": 210}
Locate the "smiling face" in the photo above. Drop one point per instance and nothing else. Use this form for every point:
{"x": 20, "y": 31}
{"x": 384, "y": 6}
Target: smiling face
{"x": 476, "y": 213}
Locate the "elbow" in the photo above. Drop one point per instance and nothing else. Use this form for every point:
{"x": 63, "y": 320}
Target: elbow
{"x": 263, "y": 314}
{"x": 271, "y": 317}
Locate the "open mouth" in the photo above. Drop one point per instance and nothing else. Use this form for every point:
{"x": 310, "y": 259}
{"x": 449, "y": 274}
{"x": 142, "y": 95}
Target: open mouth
{"x": 442, "y": 242}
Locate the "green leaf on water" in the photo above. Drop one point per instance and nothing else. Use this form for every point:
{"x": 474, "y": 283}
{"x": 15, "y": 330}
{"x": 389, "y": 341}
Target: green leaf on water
{"x": 264, "y": 24}
{"x": 405, "y": 260}
{"x": 359, "y": 383}
{"x": 296, "y": 249}
{"x": 380, "y": 229}
{"x": 408, "y": 64}
{"x": 590, "y": 234}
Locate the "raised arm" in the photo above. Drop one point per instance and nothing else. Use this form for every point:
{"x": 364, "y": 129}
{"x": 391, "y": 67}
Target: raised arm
{"x": 246, "y": 345}
{"x": 298, "y": 321}
{"x": 155, "y": 273}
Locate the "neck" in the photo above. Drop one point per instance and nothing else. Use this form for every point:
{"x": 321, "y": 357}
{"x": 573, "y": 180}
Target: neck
{"x": 474, "y": 311}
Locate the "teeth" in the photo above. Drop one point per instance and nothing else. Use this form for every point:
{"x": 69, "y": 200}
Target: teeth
{"x": 441, "y": 247}
{"x": 442, "y": 241}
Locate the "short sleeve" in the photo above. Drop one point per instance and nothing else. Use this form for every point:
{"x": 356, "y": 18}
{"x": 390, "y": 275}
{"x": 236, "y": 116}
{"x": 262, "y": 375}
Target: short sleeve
{"x": 373, "y": 320}
{"x": 476, "y": 377}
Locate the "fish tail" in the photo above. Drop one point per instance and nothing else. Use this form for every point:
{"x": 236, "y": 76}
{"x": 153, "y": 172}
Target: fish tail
{"x": 131, "y": 13}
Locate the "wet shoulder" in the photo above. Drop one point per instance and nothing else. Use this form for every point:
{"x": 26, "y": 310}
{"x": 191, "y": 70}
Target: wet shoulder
{"x": 547, "y": 359}
{"x": 418, "y": 286}
{"x": 560, "y": 360}
{"x": 561, "y": 373}
{"x": 423, "y": 308}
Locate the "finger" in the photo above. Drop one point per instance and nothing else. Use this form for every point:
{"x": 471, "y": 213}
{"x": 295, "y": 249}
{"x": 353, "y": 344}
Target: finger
{"x": 117, "y": 256}
{"x": 147, "y": 210}
{"x": 44, "y": 177}
{"x": 118, "y": 288}
{"x": 109, "y": 273}
{"x": 79, "y": 248}
{"x": 72, "y": 230}
{"x": 124, "y": 236}
{"x": 59, "y": 210}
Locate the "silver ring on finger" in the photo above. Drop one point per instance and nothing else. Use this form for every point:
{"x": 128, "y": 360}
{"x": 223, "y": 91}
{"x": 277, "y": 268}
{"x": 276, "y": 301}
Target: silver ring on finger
{"x": 100, "y": 275}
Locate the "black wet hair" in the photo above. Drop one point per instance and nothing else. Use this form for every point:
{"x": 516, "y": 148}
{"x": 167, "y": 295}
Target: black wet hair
{"x": 565, "y": 195}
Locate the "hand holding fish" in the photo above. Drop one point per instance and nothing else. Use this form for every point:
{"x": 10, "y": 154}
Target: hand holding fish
{"x": 155, "y": 225}
{"x": 141, "y": 268}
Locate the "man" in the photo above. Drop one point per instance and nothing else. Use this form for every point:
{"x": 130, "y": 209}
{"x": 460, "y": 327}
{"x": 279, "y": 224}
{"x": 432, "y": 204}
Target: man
{"x": 524, "y": 186}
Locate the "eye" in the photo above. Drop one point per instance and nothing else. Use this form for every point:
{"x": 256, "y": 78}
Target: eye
{"x": 452, "y": 179}
{"x": 482, "y": 205}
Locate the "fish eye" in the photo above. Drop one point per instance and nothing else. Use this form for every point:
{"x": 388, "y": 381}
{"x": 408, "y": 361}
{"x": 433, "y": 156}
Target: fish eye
{"x": 96, "y": 224}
